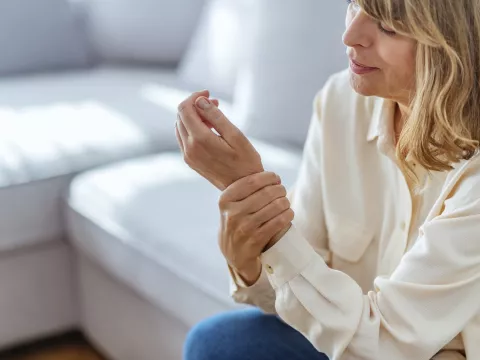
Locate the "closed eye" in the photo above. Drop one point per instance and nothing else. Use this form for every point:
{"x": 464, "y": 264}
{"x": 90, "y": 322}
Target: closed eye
{"x": 386, "y": 30}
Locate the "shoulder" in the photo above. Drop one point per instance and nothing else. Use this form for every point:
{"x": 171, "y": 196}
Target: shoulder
{"x": 464, "y": 181}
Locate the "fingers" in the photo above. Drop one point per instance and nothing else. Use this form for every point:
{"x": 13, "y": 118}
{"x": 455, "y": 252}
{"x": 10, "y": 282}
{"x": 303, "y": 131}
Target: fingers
{"x": 191, "y": 99}
{"x": 210, "y": 112}
{"x": 248, "y": 185}
{"x": 187, "y": 112}
{"x": 269, "y": 212}
{"x": 256, "y": 214}
{"x": 181, "y": 132}
{"x": 216, "y": 102}
{"x": 273, "y": 226}
{"x": 179, "y": 138}
{"x": 207, "y": 123}
{"x": 262, "y": 198}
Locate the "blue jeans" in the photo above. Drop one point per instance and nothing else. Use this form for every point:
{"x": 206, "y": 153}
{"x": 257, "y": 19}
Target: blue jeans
{"x": 247, "y": 335}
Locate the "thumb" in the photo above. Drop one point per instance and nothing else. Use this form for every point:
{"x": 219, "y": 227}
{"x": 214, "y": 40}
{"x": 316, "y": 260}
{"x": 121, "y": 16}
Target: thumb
{"x": 219, "y": 121}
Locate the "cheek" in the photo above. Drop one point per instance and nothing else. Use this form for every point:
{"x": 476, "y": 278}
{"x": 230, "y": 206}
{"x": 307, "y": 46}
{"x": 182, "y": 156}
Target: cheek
{"x": 399, "y": 61}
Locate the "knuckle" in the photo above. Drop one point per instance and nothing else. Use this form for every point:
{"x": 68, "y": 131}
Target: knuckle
{"x": 231, "y": 215}
{"x": 279, "y": 221}
{"x": 198, "y": 93}
{"x": 195, "y": 141}
{"x": 271, "y": 192}
{"x": 215, "y": 114}
{"x": 282, "y": 203}
{"x": 271, "y": 176}
{"x": 277, "y": 204}
{"x": 236, "y": 133}
{"x": 223, "y": 201}
{"x": 181, "y": 106}
{"x": 235, "y": 156}
{"x": 283, "y": 219}
{"x": 229, "y": 220}
{"x": 194, "y": 145}
{"x": 289, "y": 215}
{"x": 252, "y": 181}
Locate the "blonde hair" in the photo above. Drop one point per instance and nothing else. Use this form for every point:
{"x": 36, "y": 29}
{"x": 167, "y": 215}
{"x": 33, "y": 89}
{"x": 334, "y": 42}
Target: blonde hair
{"x": 443, "y": 126}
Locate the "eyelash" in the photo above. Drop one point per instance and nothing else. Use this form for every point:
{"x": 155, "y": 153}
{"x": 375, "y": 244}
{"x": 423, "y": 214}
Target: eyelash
{"x": 380, "y": 27}
{"x": 386, "y": 32}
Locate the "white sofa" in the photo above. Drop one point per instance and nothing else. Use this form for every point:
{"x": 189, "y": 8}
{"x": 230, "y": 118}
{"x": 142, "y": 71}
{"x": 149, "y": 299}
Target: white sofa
{"x": 103, "y": 228}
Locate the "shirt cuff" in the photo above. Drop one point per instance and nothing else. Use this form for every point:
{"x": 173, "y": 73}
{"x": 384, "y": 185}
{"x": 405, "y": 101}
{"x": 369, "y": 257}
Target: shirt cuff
{"x": 287, "y": 258}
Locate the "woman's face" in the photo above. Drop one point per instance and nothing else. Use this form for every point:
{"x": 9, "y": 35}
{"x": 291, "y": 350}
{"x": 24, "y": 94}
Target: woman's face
{"x": 382, "y": 63}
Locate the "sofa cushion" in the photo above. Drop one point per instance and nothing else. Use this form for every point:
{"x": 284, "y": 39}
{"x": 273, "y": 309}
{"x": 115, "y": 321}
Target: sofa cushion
{"x": 294, "y": 50}
{"x": 154, "y": 31}
{"x": 157, "y": 210}
{"x": 217, "y": 49}
{"x": 40, "y": 35}
{"x": 55, "y": 126}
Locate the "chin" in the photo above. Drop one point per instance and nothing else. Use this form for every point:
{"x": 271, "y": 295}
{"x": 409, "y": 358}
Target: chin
{"x": 361, "y": 85}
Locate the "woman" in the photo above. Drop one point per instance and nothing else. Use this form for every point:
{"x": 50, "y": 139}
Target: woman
{"x": 376, "y": 255}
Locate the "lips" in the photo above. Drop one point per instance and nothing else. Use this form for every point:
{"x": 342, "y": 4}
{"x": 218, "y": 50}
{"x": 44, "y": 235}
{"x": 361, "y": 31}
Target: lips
{"x": 361, "y": 65}
{"x": 359, "y": 68}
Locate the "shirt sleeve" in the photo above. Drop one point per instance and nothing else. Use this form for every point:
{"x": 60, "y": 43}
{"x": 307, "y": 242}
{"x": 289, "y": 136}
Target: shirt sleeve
{"x": 428, "y": 300}
{"x": 306, "y": 200}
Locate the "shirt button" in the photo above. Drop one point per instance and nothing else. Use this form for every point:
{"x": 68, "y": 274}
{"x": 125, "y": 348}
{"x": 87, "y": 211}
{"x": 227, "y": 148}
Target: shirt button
{"x": 403, "y": 226}
{"x": 269, "y": 269}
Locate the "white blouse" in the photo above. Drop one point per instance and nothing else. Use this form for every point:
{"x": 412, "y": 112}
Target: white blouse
{"x": 374, "y": 268}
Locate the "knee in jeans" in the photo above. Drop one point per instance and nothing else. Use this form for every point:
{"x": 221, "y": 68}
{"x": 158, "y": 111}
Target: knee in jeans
{"x": 231, "y": 336}
{"x": 199, "y": 344}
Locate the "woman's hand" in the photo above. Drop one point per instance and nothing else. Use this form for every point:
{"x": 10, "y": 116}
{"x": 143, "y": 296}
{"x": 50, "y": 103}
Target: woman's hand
{"x": 253, "y": 211}
{"x": 223, "y": 159}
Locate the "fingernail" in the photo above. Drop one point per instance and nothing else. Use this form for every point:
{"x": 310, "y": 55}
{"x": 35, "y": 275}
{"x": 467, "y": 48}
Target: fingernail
{"x": 203, "y": 103}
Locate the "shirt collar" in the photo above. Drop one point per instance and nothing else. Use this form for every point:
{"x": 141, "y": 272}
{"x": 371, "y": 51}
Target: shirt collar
{"x": 381, "y": 124}
{"x": 382, "y": 127}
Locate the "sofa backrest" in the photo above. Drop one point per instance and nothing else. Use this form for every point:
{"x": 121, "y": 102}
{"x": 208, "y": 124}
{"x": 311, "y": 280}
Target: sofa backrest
{"x": 40, "y": 35}
{"x": 217, "y": 49}
{"x": 270, "y": 57}
{"x": 295, "y": 47}
{"x": 142, "y": 31}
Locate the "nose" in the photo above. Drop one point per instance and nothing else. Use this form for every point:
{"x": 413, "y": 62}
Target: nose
{"x": 359, "y": 31}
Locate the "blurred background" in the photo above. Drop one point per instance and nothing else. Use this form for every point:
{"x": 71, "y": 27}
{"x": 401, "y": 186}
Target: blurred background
{"x": 108, "y": 242}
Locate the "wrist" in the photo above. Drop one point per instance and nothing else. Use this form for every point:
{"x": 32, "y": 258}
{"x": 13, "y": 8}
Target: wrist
{"x": 251, "y": 273}
{"x": 278, "y": 236}
{"x": 254, "y": 171}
